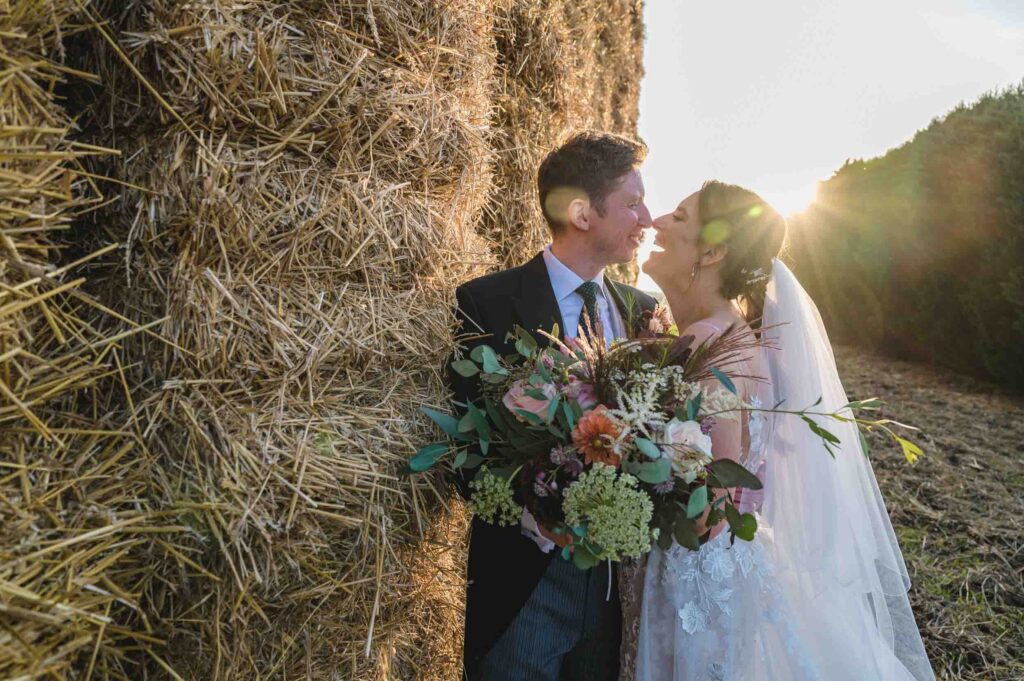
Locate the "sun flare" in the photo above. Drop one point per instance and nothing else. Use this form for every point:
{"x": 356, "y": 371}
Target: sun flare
{"x": 791, "y": 201}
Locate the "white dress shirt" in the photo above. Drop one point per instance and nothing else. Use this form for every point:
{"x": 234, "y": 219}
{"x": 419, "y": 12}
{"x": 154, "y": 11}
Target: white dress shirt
{"x": 564, "y": 282}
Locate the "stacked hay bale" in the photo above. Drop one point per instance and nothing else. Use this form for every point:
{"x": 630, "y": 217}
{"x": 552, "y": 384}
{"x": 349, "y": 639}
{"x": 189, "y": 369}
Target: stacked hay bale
{"x": 74, "y": 519}
{"x": 562, "y": 66}
{"x": 299, "y": 188}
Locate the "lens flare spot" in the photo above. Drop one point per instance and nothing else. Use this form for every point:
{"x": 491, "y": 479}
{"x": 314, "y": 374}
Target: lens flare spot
{"x": 716, "y": 232}
{"x": 755, "y": 211}
{"x": 556, "y": 205}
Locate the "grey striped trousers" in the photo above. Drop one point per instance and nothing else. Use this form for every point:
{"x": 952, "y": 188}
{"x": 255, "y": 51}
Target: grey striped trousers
{"x": 568, "y": 630}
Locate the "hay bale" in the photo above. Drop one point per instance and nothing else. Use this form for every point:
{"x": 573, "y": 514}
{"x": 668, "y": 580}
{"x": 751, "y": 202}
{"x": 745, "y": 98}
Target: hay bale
{"x": 300, "y": 187}
{"x": 312, "y": 176}
{"x": 73, "y": 473}
{"x": 562, "y": 67}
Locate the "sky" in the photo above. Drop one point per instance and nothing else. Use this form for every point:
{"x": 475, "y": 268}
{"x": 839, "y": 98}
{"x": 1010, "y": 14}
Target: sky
{"x": 777, "y": 95}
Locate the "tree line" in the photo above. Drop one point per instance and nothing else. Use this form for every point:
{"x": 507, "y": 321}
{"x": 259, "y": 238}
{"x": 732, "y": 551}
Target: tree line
{"x": 920, "y": 252}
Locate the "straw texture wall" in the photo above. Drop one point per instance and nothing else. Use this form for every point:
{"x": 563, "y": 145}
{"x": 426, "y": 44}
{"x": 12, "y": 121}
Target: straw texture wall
{"x": 296, "y": 191}
{"x": 74, "y": 515}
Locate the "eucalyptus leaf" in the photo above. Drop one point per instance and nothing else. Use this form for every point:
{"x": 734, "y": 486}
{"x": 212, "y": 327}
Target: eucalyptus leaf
{"x": 480, "y": 422}
{"x": 466, "y": 367}
{"x": 460, "y": 458}
{"x": 447, "y": 422}
{"x": 731, "y": 474}
{"x": 732, "y": 514}
{"x": 553, "y": 409}
{"x": 583, "y": 558}
{"x": 748, "y": 527}
{"x": 477, "y": 354}
{"x": 648, "y": 448}
{"x": 570, "y": 415}
{"x": 427, "y": 456}
{"x": 466, "y": 424}
{"x": 697, "y": 503}
{"x": 651, "y": 472}
{"x": 490, "y": 361}
{"x": 685, "y": 534}
{"x": 530, "y": 417}
{"x": 495, "y": 415}
{"x": 693, "y": 407}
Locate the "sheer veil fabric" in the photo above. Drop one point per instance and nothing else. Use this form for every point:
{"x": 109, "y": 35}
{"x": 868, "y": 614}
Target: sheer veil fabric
{"x": 821, "y": 593}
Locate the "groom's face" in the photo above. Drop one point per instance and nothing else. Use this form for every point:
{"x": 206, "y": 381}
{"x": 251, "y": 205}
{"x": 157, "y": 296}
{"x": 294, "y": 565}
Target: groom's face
{"x": 617, "y": 233}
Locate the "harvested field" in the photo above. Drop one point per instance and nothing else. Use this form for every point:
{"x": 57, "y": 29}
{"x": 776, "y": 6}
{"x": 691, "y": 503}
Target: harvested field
{"x": 959, "y": 512}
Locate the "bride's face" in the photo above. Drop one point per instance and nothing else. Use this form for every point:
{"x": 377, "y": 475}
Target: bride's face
{"x": 677, "y": 235}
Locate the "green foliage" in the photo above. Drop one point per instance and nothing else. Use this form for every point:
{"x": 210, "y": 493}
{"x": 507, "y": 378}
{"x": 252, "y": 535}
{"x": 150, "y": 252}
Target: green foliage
{"x": 921, "y": 252}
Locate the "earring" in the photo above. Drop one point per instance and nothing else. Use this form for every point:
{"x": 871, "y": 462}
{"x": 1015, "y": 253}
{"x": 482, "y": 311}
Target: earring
{"x": 693, "y": 270}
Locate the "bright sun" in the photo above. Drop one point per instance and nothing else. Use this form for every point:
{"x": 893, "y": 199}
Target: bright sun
{"x": 790, "y": 201}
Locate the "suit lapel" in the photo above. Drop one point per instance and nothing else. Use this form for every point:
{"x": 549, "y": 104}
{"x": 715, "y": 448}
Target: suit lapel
{"x": 536, "y": 307}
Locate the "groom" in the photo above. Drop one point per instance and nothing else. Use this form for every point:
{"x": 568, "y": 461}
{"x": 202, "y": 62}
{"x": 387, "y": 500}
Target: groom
{"x": 531, "y": 615}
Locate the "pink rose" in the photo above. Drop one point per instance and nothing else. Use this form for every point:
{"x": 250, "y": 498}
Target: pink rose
{"x": 516, "y": 399}
{"x": 581, "y": 391}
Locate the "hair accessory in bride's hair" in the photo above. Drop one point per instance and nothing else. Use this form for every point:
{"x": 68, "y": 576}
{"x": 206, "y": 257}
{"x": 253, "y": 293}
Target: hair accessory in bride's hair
{"x": 755, "y": 277}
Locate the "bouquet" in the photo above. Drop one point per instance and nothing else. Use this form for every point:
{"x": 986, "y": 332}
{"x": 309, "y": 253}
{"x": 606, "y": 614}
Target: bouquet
{"x": 603, "y": 451}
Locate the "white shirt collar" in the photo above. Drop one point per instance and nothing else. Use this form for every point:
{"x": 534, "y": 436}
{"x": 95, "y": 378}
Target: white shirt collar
{"x": 563, "y": 280}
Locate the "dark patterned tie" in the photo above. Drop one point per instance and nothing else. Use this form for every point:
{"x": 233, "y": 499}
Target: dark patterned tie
{"x": 588, "y": 292}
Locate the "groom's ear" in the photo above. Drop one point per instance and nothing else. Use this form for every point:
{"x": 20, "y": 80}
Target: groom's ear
{"x": 713, "y": 254}
{"x": 579, "y": 214}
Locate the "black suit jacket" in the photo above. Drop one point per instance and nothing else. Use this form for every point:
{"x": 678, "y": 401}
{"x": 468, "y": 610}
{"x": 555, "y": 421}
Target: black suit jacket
{"x": 504, "y": 566}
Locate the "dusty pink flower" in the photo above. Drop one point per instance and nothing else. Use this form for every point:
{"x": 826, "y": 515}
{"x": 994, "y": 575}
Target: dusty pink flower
{"x": 516, "y": 399}
{"x": 582, "y": 392}
{"x": 661, "y": 320}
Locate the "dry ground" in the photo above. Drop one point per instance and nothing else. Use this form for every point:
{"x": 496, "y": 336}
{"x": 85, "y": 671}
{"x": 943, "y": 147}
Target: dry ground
{"x": 959, "y": 512}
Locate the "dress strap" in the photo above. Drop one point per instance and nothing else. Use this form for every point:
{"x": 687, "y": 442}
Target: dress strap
{"x": 713, "y": 327}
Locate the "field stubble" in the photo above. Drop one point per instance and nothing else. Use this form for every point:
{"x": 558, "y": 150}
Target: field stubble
{"x": 959, "y": 512}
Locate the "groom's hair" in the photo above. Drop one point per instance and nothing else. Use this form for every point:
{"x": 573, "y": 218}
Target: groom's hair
{"x": 591, "y": 162}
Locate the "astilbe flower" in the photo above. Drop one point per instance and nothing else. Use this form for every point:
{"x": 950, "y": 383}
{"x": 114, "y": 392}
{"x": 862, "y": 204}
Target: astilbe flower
{"x": 492, "y": 499}
{"x": 596, "y": 435}
{"x": 616, "y": 512}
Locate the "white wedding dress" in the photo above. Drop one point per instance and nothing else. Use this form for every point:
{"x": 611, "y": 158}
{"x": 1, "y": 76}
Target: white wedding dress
{"x": 821, "y": 592}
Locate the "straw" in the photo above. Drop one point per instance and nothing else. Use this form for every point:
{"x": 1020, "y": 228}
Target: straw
{"x": 219, "y": 333}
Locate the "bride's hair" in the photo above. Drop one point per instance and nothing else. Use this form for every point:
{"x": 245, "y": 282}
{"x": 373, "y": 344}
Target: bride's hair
{"x": 754, "y": 233}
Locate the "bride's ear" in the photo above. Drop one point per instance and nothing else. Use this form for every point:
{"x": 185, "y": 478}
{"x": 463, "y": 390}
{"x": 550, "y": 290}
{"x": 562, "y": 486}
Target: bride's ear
{"x": 579, "y": 214}
{"x": 713, "y": 254}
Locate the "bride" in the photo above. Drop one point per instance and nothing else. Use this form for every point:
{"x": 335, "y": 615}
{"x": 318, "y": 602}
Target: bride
{"x": 821, "y": 592}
